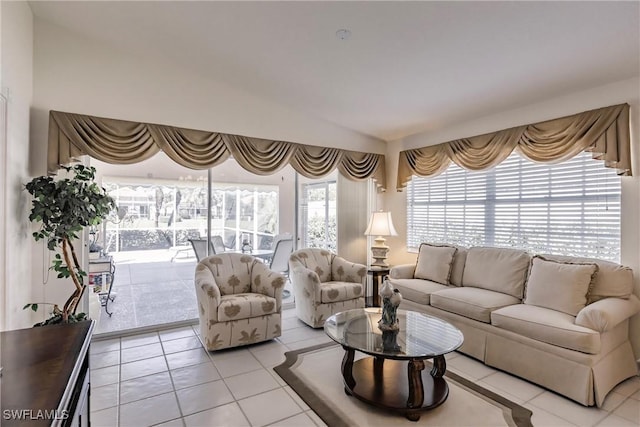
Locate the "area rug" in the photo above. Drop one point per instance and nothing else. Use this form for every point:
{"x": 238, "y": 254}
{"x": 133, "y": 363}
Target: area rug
{"x": 314, "y": 374}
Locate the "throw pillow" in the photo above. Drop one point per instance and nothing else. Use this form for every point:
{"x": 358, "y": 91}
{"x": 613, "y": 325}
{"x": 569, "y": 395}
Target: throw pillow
{"x": 435, "y": 262}
{"x": 560, "y": 286}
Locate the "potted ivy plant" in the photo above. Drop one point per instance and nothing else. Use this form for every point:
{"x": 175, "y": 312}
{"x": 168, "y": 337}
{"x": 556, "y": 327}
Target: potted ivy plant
{"x": 63, "y": 207}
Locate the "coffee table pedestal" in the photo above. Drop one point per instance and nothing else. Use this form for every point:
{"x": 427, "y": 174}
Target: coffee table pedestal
{"x": 394, "y": 377}
{"x": 402, "y": 386}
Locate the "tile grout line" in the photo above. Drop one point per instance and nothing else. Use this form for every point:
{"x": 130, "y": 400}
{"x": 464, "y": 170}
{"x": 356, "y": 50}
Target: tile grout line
{"x": 265, "y": 392}
{"x": 119, "y": 382}
{"x": 162, "y": 342}
{"x": 173, "y": 385}
{"x": 554, "y": 414}
{"x": 237, "y": 401}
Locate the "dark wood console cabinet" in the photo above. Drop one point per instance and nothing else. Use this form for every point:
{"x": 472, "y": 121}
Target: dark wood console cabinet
{"x": 45, "y": 376}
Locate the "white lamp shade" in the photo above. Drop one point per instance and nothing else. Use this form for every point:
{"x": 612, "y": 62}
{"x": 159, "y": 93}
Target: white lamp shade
{"x": 380, "y": 224}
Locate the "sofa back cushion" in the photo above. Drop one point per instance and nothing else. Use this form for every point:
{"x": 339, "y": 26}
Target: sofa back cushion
{"x": 611, "y": 280}
{"x": 497, "y": 269}
{"x": 457, "y": 269}
{"x": 558, "y": 285}
{"x": 435, "y": 263}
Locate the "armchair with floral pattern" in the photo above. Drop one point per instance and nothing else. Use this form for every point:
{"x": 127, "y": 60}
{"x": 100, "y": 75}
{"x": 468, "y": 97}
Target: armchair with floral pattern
{"x": 324, "y": 284}
{"x": 239, "y": 300}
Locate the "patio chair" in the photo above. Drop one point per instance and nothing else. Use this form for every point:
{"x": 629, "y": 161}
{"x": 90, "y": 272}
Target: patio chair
{"x": 280, "y": 258}
{"x": 199, "y": 247}
{"x": 230, "y": 242}
{"x": 239, "y": 300}
{"x": 218, "y": 245}
{"x": 324, "y": 283}
{"x": 281, "y": 236}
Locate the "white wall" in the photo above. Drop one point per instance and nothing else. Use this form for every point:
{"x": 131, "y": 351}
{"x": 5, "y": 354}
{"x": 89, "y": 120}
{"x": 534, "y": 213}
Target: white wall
{"x": 15, "y": 230}
{"x": 3, "y": 215}
{"x": 352, "y": 216}
{"x": 76, "y": 74}
{"x": 615, "y": 93}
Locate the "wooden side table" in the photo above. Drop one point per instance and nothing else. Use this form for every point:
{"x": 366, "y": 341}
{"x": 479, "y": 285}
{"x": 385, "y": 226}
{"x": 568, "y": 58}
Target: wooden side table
{"x": 377, "y": 276}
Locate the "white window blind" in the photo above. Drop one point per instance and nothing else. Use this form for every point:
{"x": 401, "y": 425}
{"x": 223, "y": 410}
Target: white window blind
{"x": 571, "y": 208}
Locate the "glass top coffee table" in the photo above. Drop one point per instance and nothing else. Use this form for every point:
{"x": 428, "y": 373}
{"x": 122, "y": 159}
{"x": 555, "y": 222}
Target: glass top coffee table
{"x": 394, "y": 378}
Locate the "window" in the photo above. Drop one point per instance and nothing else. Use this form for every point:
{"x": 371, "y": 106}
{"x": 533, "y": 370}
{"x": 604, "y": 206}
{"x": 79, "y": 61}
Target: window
{"x": 571, "y": 208}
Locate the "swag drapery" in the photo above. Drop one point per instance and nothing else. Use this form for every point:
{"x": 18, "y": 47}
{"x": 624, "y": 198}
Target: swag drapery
{"x": 124, "y": 142}
{"x": 603, "y": 132}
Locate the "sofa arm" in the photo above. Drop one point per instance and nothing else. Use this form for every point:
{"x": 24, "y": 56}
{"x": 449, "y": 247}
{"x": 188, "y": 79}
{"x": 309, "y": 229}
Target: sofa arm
{"x": 403, "y": 271}
{"x": 267, "y": 282}
{"x": 346, "y": 271}
{"x": 207, "y": 293}
{"x": 605, "y": 314}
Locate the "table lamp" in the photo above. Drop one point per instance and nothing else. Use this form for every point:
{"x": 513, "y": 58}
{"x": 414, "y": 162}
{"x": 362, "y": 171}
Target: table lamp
{"x": 380, "y": 224}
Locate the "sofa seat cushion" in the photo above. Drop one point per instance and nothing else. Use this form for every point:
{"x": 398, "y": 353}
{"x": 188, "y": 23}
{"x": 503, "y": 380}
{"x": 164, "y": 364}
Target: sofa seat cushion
{"x": 245, "y": 306}
{"x": 417, "y": 290}
{"x": 339, "y": 291}
{"x": 474, "y": 303}
{"x": 546, "y": 325}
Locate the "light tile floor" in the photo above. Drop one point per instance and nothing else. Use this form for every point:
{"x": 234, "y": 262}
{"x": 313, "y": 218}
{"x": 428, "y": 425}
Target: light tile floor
{"x": 165, "y": 378}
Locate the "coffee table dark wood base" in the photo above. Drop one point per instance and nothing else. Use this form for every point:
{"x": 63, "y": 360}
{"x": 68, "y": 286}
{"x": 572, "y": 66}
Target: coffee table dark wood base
{"x": 399, "y": 386}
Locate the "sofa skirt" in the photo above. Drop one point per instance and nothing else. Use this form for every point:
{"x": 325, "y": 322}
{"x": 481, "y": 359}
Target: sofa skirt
{"x": 585, "y": 378}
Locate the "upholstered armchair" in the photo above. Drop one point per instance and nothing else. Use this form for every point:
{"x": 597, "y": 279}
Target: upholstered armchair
{"x": 239, "y": 300}
{"x": 324, "y": 284}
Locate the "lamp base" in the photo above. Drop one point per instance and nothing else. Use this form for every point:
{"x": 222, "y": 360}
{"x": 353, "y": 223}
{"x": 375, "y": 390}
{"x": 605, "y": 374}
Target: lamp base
{"x": 380, "y": 263}
{"x": 379, "y": 253}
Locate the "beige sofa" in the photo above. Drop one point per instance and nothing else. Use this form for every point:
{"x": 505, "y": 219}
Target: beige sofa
{"x": 560, "y": 322}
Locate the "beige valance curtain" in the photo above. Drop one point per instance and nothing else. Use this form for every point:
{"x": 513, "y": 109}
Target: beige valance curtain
{"x": 123, "y": 142}
{"x": 604, "y": 132}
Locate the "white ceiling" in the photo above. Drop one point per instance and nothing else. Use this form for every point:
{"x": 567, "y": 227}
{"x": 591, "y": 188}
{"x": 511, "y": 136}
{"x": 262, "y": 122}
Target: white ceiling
{"x": 408, "y": 67}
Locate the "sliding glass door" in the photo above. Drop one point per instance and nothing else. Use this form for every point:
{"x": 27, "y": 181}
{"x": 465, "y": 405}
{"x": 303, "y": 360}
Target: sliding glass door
{"x": 248, "y": 212}
{"x": 148, "y": 238}
{"x": 317, "y": 216}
